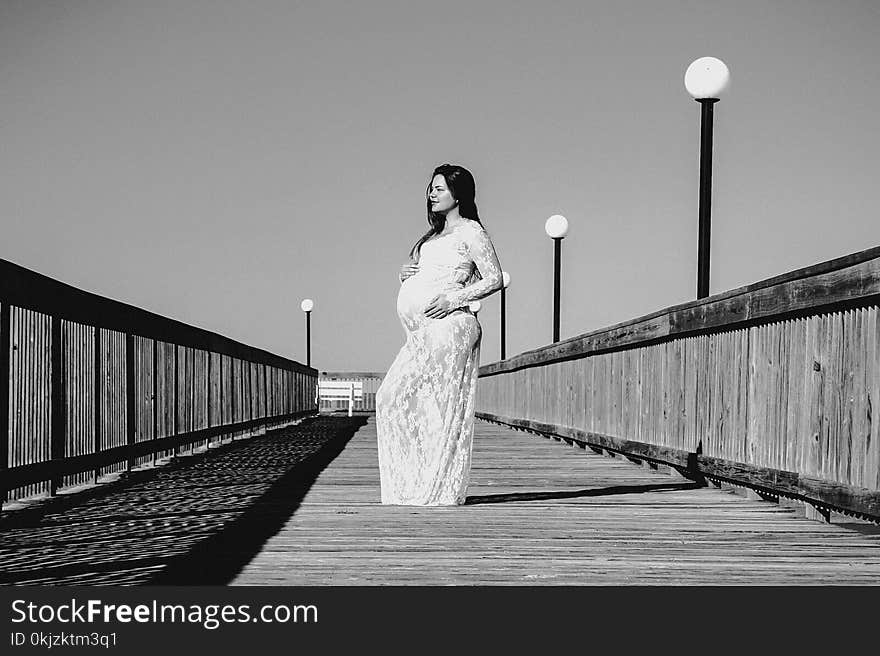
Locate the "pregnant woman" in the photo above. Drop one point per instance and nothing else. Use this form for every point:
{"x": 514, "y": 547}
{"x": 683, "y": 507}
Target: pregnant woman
{"x": 425, "y": 405}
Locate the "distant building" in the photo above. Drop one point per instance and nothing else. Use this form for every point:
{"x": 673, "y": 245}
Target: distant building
{"x": 370, "y": 381}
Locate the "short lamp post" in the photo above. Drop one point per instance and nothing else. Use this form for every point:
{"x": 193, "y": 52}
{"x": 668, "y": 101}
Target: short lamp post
{"x": 705, "y": 79}
{"x": 556, "y": 228}
{"x": 505, "y": 279}
{"x": 307, "y": 306}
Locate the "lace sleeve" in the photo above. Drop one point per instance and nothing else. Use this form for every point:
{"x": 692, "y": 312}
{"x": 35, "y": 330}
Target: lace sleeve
{"x": 483, "y": 254}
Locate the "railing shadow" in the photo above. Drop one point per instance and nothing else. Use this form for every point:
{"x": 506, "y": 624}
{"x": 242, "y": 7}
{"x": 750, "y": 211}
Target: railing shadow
{"x": 573, "y": 494}
{"x": 197, "y": 521}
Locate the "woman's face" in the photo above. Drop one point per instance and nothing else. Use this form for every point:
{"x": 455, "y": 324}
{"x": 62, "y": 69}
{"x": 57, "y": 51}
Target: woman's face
{"x": 440, "y": 197}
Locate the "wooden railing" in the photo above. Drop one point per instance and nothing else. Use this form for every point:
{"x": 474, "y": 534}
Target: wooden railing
{"x": 774, "y": 386}
{"x": 91, "y": 386}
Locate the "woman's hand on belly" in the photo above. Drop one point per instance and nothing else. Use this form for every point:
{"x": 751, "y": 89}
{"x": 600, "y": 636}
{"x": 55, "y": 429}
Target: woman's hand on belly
{"x": 439, "y": 307}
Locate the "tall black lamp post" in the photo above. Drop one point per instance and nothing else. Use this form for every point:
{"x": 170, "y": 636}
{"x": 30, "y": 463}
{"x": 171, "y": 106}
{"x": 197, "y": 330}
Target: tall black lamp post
{"x": 307, "y": 306}
{"x": 705, "y": 79}
{"x": 505, "y": 279}
{"x": 556, "y": 228}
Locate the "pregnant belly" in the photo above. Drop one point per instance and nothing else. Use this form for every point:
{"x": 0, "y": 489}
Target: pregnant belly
{"x": 414, "y": 295}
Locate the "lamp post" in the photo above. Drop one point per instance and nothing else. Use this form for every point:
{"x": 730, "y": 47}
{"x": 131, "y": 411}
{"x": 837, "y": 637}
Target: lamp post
{"x": 556, "y": 228}
{"x": 505, "y": 278}
{"x": 705, "y": 79}
{"x": 307, "y": 306}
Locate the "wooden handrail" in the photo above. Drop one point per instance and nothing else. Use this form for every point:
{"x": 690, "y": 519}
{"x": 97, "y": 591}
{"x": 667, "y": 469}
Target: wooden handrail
{"x": 842, "y": 283}
{"x": 30, "y": 290}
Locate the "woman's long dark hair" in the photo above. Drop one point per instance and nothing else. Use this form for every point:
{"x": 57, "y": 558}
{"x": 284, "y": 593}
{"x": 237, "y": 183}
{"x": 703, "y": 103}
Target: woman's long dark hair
{"x": 461, "y": 186}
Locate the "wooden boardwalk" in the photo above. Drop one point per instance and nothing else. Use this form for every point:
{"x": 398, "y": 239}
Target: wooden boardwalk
{"x": 543, "y": 512}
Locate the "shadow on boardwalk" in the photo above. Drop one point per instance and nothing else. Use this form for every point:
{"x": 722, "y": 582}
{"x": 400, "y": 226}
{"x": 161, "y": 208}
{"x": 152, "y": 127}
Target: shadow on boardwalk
{"x": 574, "y": 494}
{"x": 197, "y": 521}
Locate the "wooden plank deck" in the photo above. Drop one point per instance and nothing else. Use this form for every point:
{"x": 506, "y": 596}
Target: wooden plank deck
{"x": 543, "y": 512}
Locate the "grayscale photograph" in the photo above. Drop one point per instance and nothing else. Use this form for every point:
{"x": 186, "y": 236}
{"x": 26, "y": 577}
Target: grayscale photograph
{"x": 465, "y": 294}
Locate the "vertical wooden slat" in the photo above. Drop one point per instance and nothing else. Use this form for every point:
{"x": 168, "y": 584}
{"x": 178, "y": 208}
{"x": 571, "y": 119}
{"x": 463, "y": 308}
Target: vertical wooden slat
{"x": 236, "y": 403}
{"x": 780, "y": 393}
{"x": 833, "y": 397}
{"x": 5, "y": 378}
{"x": 155, "y": 398}
{"x": 686, "y": 378}
{"x": 208, "y": 392}
{"x": 615, "y": 380}
{"x": 222, "y": 397}
{"x": 649, "y": 394}
{"x": 849, "y": 372}
{"x": 58, "y": 418}
{"x": 598, "y": 387}
{"x": 714, "y": 404}
{"x": 704, "y": 392}
{"x": 98, "y": 373}
{"x": 176, "y": 395}
{"x": 130, "y": 419}
{"x": 872, "y": 375}
{"x": 856, "y": 352}
{"x": 249, "y": 400}
{"x": 757, "y": 395}
{"x": 795, "y": 404}
{"x": 189, "y": 394}
{"x": 677, "y": 397}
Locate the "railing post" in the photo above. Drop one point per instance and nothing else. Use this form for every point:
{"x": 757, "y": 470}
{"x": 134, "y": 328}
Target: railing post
{"x": 250, "y": 390}
{"x": 176, "y": 399}
{"x": 99, "y": 387}
{"x": 129, "y": 400}
{"x": 58, "y": 425}
{"x": 5, "y": 376}
{"x": 220, "y": 407}
{"x": 208, "y": 443}
{"x": 233, "y": 400}
{"x": 155, "y": 400}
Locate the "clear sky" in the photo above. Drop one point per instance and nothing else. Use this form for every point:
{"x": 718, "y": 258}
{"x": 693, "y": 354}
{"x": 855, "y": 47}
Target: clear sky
{"x": 217, "y": 162}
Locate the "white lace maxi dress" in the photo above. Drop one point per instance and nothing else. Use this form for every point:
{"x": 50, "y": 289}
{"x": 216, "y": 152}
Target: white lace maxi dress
{"x": 425, "y": 404}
